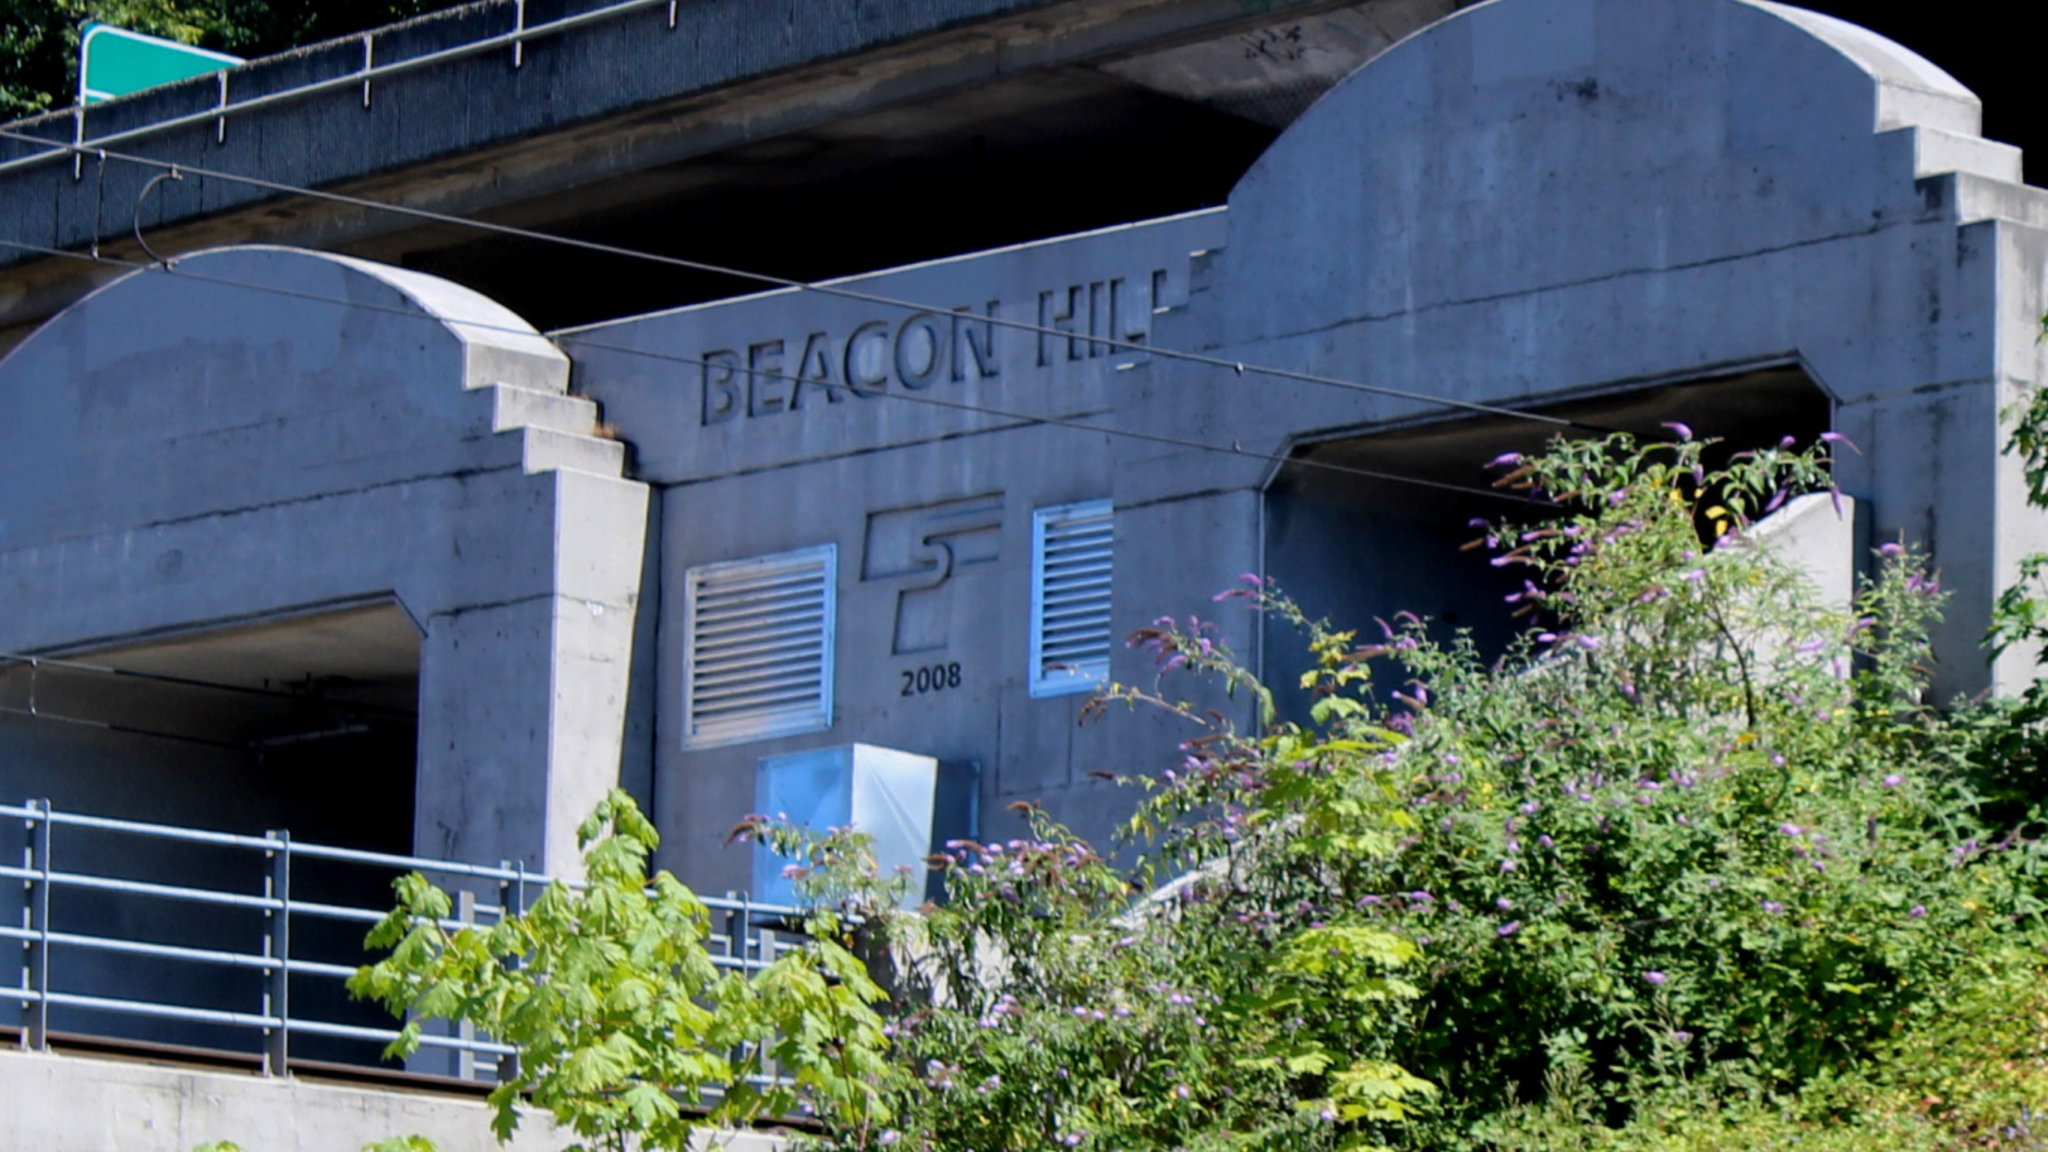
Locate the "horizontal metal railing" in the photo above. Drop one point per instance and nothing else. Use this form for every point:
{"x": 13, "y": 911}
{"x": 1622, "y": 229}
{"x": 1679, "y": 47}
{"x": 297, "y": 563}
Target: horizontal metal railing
{"x": 246, "y": 961}
{"x": 514, "y": 38}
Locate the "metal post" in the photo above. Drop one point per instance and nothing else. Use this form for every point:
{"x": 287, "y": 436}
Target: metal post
{"x": 23, "y": 977}
{"x": 465, "y": 1031}
{"x": 745, "y": 940}
{"x": 277, "y": 944}
{"x": 512, "y": 901}
{"x": 220, "y": 123}
{"x": 35, "y": 1031}
{"x": 735, "y": 946}
{"x": 519, "y": 26}
{"x": 369, "y": 62}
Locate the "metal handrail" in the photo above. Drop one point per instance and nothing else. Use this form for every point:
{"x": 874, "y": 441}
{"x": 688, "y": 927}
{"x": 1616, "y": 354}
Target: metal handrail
{"x": 747, "y": 936}
{"x": 515, "y": 39}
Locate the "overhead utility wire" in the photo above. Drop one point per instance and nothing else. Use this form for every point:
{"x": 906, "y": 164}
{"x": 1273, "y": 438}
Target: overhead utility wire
{"x": 1232, "y": 449}
{"x": 1239, "y": 366}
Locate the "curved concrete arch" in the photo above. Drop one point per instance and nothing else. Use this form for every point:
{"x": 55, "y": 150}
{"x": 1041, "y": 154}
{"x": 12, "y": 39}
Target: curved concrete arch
{"x": 468, "y": 314}
{"x": 1537, "y": 199}
{"x": 261, "y": 430}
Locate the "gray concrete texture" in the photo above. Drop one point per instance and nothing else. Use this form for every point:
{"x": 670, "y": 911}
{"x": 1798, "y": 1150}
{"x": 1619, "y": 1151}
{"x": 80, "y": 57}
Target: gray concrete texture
{"x": 577, "y": 118}
{"x": 262, "y": 433}
{"x": 78, "y": 1104}
{"x": 1540, "y": 199}
{"x": 923, "y": 472}
{"x": 1531, "y": 203}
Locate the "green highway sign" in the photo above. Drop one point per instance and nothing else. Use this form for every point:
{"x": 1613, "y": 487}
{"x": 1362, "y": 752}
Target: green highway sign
{"x": 114, "y": 62}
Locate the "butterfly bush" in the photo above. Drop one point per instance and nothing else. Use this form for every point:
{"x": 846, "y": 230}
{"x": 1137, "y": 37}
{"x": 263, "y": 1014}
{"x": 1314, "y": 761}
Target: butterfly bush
{"x": 1694, "y": 832}
{"x": 1693, "y": 827}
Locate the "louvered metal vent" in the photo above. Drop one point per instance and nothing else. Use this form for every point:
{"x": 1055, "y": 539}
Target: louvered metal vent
{"x": 757, "y": 658}
{"x": 1070, "y": 561}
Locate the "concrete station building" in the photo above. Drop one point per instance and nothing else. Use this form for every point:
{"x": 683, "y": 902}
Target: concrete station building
{"x": 477, "y": 526}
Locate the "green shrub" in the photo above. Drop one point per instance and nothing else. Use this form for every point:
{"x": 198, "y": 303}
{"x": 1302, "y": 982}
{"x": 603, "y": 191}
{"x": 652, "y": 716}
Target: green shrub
{"x": 1694, "y": 845}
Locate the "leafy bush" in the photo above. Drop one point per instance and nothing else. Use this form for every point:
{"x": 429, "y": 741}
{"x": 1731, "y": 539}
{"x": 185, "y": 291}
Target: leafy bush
{"x": 1696, "y": 838}
{"x": 609, "y": 993}
{"x": 1692, "y": 865}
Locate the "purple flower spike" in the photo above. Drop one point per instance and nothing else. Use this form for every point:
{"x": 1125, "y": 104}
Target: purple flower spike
{"x": 1919, "y": 912}
{"x": 1508, "y": 929}
{"x": 1505, "y": 460}
{"x": 1891, "y": 548}
{"x": 1838, "y": 438}
{"x": 1773, "y": 907}
{"x": 1791, "y": 829}
{"x": 1682, "y": 431}
{"x": 1655, "y": 979}
{"x": 1787, "y": 441}
{"x": 1894, "y": 780}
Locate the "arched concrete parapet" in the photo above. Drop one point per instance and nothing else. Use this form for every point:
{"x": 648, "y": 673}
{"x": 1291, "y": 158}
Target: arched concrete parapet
{"x": 1536, "y": 199}
{"x": 167, "y": 394}
{"x": 256, "y": 432}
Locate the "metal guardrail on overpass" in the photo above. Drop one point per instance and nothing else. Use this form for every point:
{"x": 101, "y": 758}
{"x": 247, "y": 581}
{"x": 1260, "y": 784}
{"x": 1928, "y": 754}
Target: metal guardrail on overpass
{"x": 514, "y": 38}
{"x": 243, "y": 976}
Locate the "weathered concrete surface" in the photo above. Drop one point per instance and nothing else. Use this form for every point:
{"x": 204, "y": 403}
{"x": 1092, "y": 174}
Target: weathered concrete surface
{"x": 926, "y": 488}
{"x": 600, "y": 109}
{"x": 1532, "y": 203}
{"x": 1824, "y": 538}
{"x": 264, "y": 433}
{"x": 1540, "y": 199}
{"x": 54, "y": 1103}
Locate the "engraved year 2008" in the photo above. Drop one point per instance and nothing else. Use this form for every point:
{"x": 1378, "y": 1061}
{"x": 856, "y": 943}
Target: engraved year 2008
{"x": 930, "y": 678}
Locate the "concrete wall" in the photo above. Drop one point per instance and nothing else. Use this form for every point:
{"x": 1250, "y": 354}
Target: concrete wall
{"x": 265, "y": 432}
{"x": 1537, "y": 199}
{"x": 76, "y": 1104}
{"x": 925, "y": 480}
{"x": 584, "y": 114}
{"x": 1530, "y": 203}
